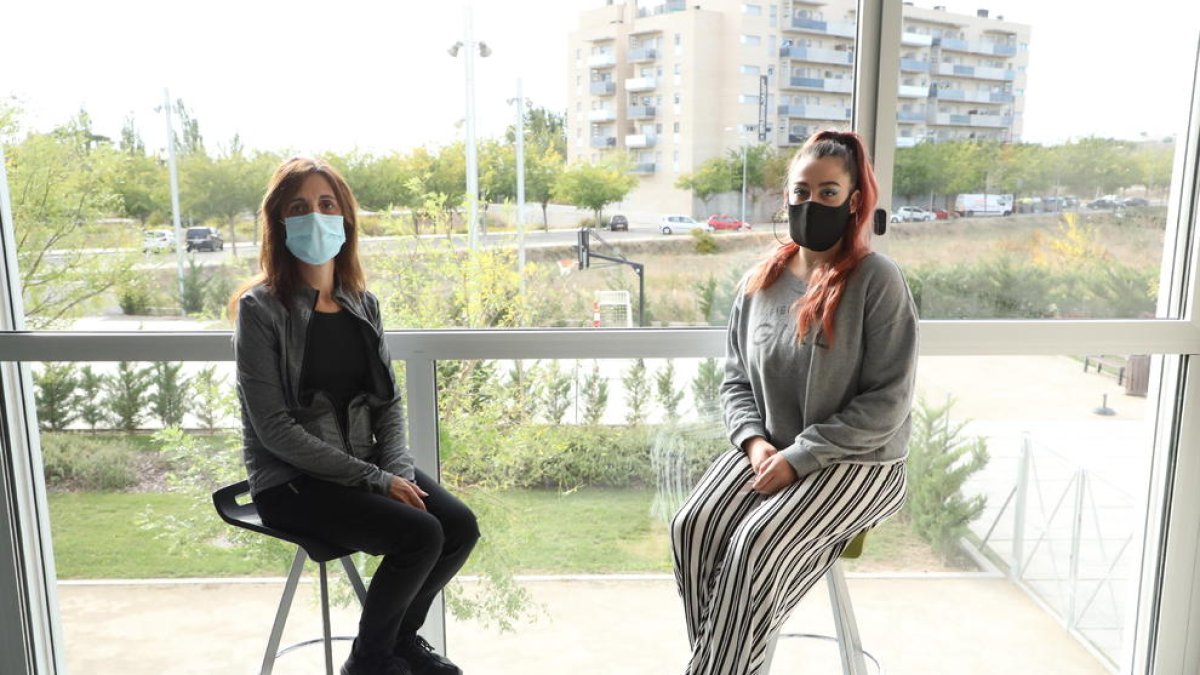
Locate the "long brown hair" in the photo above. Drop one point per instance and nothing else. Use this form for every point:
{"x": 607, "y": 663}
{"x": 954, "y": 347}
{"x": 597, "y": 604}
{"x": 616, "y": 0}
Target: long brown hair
{"x": 280, "y": 270}
{"x": 828, "y": 281}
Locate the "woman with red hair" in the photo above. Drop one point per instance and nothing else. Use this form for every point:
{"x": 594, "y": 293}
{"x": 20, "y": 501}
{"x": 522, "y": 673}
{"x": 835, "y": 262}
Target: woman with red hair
{"x": 819, "y": 371}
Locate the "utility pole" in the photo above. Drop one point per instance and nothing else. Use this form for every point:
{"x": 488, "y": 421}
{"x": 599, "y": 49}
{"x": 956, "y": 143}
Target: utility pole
{"x": 521, "y": 185}
{"x": 174, "y": 175}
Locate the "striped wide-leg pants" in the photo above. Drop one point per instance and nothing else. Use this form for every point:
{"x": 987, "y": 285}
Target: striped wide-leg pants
{"x": 743, "y": 560}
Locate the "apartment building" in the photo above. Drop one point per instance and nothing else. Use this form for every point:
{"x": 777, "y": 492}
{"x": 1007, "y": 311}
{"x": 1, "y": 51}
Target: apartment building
{"x": 674, "y": 83}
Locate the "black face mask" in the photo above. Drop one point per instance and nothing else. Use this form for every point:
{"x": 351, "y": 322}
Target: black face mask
{"x": 818, "y": 227}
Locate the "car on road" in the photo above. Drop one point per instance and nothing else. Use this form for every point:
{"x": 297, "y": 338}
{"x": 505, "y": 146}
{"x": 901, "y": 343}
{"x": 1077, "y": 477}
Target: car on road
{"x": 673, "y": 223}
{"x": 910, "y": 214}
{"x": 1133, "y": 202}
{"x": 1105, "y": 202}
{"x": 204, "y": 239}
{"x": 618, "y": 223}
{"x": 157, "y": 241}
{"x": 724, "y": 221}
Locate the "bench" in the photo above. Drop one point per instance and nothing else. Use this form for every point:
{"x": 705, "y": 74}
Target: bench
{"x": 1115, "y": 365}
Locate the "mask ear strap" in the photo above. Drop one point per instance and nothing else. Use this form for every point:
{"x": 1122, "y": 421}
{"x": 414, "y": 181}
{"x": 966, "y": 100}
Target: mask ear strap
{"x": 880, "y": 221}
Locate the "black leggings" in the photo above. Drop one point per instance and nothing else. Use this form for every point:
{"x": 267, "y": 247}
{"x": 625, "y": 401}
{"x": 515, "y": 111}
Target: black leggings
{"x": 422, "y": 550}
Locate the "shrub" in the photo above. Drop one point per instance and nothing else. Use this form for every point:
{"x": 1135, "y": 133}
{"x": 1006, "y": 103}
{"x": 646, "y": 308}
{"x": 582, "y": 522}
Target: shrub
{"x": 194, "y": 288}
{"x": 55, "y": 396}
{"x": 940, "y": 460}
{"x": 706, "y": 387}
{"x": 679, "y": 456}
{"x": 72, "y": 461}
{"x": 705, "y": 242}
{"x": 555, "y": 393}
{"x": 134, "y": 295}
{"x": 214, "y": 399}
{"x": 587, "y": 221}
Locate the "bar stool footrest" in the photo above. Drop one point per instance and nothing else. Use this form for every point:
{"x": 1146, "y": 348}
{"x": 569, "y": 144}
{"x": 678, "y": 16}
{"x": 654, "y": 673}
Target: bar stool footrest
{"x": 879, "y": 669}
{"x": 314, "y": 641}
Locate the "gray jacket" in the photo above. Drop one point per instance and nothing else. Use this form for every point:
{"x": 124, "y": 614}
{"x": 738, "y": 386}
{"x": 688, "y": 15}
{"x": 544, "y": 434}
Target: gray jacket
{"x": 845, "y": 400}
{"x": 284, "y": 436}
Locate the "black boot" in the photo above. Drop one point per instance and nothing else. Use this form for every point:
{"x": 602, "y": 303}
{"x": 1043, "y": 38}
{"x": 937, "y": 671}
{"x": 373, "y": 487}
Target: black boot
{"x": 421, "y": 659}
{"x": 373, "y": 664}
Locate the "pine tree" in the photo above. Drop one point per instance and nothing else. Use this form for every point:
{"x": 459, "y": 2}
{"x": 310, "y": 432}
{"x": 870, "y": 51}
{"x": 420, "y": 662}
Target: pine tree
{"x": 127, "y": 391}
{"x": 637, "y": 392}
{"x": 940, "y": 460}
{"x": 168, "y": 401}
{"x": 56, "y": 396}
{"x": 595, "y": 395}
{"x": 556, "y": 393}
{"x": 668, "y": 397}
{"x": 90, "y": 405}
{"x": 213, "y": 398}
{"x": 706, "y": 387}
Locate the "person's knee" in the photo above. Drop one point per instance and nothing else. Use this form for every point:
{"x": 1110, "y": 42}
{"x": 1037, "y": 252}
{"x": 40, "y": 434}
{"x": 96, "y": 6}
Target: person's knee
{"x": 462, "y": 529}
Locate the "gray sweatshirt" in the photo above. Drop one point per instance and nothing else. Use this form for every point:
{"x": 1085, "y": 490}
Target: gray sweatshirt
{"x": 845, "y": 401}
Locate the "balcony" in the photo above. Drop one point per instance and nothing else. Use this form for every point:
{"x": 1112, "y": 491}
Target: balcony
{"x": 914, "y": 66}
{"x": 640, "y": 140}
{"x": 816, "y": 112}
{"x": 643, "y": 168}
{"x": 795, "y": 139}
{"x": 977, "y": 47}
{"x": 910, "y": 116}
{"x": 641, "y": 83}
{"x": 915, "y": 39}
{"x": 913, "y": 91}
{"x": 641, "y": 55}
{"x": 604, "y": 141}
{"x": 954, "y": 119}
{"x": 641, "y": 112}
{"x": 838, "y": 85}
{"x": 974, "y": 96}
{"x": 606, "y": 88}
{"x": 832, "y": 56}
{"x": 602, "y": 115}
{"x": 977, "y": 72}
{"x": 840, "y": 29}
{"x": 605, "y": 60}
{"x": 906, "y": 141}
{"x": 662, "y": 8}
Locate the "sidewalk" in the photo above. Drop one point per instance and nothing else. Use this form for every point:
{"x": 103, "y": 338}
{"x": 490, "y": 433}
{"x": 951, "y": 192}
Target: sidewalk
{"x": 920, "y": 626}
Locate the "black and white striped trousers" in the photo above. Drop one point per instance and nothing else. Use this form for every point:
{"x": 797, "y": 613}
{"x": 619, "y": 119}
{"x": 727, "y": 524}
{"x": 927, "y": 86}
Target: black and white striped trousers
{"x": 743, "y": 561}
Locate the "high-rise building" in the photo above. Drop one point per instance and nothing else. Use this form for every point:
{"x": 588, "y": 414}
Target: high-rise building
{"x": 675, "y": 83}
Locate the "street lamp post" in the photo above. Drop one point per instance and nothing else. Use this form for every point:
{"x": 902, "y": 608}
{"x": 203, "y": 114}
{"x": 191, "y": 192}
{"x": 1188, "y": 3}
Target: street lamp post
{"x": 471, "y": 45}
{"x": 173, "y": 172}
{"x": 742, "y": 139}
{"x": 520, "y": 141}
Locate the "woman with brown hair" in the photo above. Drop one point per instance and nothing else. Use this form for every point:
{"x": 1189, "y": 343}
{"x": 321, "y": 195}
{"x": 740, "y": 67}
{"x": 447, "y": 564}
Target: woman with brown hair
{"x": 819, "y": 370}
{"x": 322, "y": 419}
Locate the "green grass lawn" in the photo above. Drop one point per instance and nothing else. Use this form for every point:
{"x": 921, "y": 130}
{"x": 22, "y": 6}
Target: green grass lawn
{"x": 590, "y": 531}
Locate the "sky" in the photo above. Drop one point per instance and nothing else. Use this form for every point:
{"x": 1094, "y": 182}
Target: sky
{"x": 308, "y": 76}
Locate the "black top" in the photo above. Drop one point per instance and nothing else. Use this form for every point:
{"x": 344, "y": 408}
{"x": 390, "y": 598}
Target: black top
{"x": 335, "y": 360}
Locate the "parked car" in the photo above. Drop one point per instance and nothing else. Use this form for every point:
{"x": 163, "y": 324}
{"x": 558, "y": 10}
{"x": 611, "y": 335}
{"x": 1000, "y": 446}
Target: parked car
{"x": 724, "y": 221}
{"x": 909, "y": 214}
{"x": 618, "y": 223}
{"x": 1134, "y": 202}
{"x": 204, "y": 239}
{"x": 683, "y": 224}
{"x": 157, "y": 241}
{"x": 1105, "y": 202}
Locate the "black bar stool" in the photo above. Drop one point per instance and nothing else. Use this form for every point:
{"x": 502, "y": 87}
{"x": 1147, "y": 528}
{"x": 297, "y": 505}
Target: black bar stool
{"x": 245, "y": 515}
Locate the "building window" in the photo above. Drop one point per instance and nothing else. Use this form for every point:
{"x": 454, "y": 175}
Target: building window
{"x": 678, "y": 68}
{"x": 749, "y": 98}
{"x": 678, "y": 40}
{"x": 751, "y": 70}
{"x": 675, "y": 127}
{"x": 677, "y": 98}
{"x": 752, "y": 40}
{"x": 752, "y": 10}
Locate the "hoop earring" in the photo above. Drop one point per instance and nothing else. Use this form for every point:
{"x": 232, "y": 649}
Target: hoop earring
{"x": 775, "y": 233}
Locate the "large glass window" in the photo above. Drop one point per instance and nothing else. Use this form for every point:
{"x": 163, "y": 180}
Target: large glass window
{"x": 1022, "y": 187}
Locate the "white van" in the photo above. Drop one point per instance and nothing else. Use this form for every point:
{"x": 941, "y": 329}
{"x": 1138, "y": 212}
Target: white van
{"x": 983, "y": 205}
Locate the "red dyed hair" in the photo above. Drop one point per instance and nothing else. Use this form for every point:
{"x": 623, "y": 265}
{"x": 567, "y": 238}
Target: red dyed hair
{"x": 827, "y": 282}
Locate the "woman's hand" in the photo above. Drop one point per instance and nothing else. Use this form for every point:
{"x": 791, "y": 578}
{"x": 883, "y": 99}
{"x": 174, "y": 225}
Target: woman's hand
{"x": 759, "y": 450}
{"x": 403, "y": 490}
{"x": 775, "y": 474}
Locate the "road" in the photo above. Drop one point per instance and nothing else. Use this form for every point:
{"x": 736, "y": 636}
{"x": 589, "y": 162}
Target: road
{"x": 533, "y": 239}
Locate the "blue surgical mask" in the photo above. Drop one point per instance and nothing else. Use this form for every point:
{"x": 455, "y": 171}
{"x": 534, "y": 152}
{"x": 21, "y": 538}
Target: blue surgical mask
{"x": 314, "y": 237}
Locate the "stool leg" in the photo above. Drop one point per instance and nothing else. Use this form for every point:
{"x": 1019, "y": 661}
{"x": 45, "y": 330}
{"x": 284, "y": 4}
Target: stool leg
{"x": 355, "y": 580}
{"x": 285, "y": 604}
{"x": 849, "y": 642}
{"x": 325, "y": 621}
{"x": 769, "y": 654}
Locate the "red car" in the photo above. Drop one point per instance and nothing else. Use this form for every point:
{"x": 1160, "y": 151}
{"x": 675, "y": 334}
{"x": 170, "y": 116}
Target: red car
{"x": 724, "y": 221}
